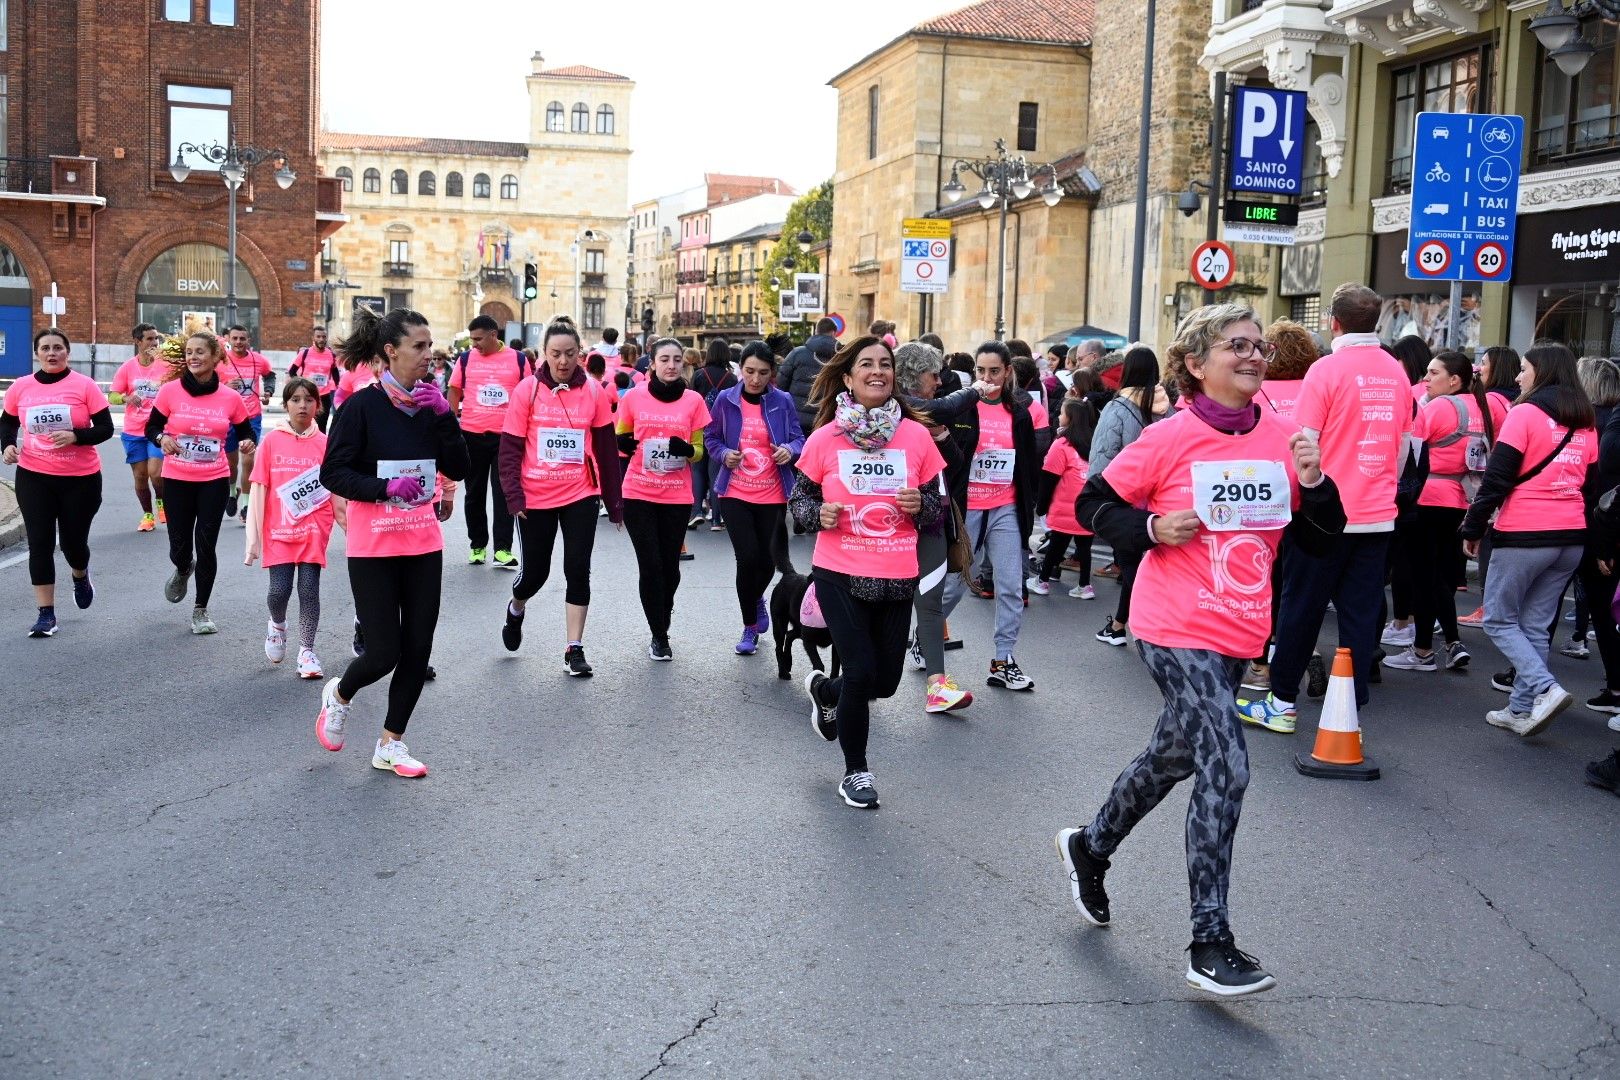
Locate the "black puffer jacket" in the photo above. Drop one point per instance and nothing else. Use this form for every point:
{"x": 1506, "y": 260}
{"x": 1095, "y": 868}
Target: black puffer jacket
{"x": 799, "y": 371}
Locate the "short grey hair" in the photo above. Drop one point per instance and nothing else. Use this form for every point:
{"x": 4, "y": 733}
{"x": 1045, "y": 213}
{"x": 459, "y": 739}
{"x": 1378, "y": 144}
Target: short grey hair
{"x": 1197, "y": 334}
{"x": 912, "y": 361}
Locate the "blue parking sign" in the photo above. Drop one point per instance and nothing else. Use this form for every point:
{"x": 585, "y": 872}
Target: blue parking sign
{"x": 1465, "y": 196}
{"x": 1268, "y": 140}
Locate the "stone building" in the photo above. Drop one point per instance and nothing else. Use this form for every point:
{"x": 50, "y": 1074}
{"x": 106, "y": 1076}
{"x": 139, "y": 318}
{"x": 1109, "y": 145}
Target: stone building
{"x": 948, "y": 89}
{"x": 446, "y": 226}
{"x": 734, "y": 307}
{"x": 95, "y": 101}
{"x": 730, "y": 205}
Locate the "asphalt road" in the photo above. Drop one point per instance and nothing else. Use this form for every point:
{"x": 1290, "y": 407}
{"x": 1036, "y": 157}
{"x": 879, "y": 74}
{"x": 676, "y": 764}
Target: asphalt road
{"x": 649, "y": 872}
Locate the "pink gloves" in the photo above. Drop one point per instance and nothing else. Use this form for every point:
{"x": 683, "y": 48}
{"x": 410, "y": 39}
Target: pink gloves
{"x": 427, "y": 396}
{"x": 406, "y": 488}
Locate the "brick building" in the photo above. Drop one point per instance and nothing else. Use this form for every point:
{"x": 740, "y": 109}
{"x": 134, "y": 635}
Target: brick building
{"x": 95, "y": 99}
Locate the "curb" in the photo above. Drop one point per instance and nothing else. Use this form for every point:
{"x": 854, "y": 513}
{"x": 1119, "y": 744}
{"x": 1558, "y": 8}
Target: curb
{"x": 11, "y": 522}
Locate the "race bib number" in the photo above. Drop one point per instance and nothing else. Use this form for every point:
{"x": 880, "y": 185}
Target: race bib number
{"x": 198, "y": 449}
{"x": 146, "y": 389}
{"x": 492, "y": 395}
{"x": 561, "y": 446}
{"x": 1241, "y": 496}
{"x": 320, "y": 381}
{"x": 993, "y": 467}
{"x": 656, "y": 458}
{"x": 44, "y": 419}
{"x": 879, "y": 473}
{"x": 303, "y": 494}
{"x": 423, "y": 468}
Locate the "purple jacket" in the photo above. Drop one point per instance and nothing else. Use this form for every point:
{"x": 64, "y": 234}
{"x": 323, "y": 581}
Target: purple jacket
{"x": 724, "y": 432}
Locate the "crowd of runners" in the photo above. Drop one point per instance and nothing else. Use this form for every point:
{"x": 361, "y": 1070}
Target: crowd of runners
{"x": 1253, "y": 480}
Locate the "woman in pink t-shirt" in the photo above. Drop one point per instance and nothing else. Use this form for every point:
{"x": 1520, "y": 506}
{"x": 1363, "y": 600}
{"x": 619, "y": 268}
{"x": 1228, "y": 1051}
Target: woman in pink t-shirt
{"x": 1535, "y": 475}
{"x": 357, "y": 375}
{"x": 290, "y": 519}
{"x": 51, "y": 423}
{"x": 1063, "y": 474}
{"x": 192, "y": 419}
{"x": 661, "y": 437}
{"x": 1205, "y": 495}
{"x": 865, "y": 487}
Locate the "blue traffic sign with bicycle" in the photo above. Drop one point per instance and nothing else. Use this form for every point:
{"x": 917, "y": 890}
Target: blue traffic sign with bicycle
{"x": 1465, "y": 196}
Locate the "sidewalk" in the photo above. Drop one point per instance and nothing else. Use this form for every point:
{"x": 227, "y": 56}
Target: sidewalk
{"x": 11, "y": 523}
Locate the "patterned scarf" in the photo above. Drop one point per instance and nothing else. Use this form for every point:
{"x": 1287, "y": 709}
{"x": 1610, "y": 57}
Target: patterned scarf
{"x": 868, "y": 429}
{"x": 400, "y": 396}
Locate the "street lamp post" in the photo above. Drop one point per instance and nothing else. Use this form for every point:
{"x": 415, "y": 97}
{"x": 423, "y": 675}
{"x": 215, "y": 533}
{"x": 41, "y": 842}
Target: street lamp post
{"x": 1006, "y": 177}
{"x": 234, "y": 163}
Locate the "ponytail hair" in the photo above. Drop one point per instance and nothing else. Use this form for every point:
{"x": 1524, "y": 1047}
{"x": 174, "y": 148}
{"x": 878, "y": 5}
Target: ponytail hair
{"x": 561, "y": 326}
{"x": 1462, "y": 367}
{"x": 372, "y": 332}
{"x": 1079, "y": 424}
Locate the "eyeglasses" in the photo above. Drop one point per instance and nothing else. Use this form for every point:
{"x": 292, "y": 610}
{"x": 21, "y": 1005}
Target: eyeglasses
{"x": 1244, "y": 348}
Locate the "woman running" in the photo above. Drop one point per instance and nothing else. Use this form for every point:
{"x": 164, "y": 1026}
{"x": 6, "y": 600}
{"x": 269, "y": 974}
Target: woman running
{"x": 1204, "y": 496}
{"x": 866, "y": 485}
{"x": 1063, "y": 475}
{"x": 53, "y": 421}
{"x": 387, "y": 446}
{"x": 661, "y": 435}
{"x": 192, "y": 418}
{"x": 135, "y": 386}
{"x": 1536, "y": 471}
{"x": 755, "y": 437}
{"x": 559, "y": 459}
{"x": 290, "y": 519}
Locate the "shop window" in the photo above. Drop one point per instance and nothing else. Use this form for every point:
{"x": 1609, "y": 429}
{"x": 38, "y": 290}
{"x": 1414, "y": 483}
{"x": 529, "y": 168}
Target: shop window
{"x": 1456, "y": 83}
{"x": 452, "y": 185}
{"x": 371, "y": 181}
{"x": 1578, "y": 117}
{"x": 1580, "y": 316}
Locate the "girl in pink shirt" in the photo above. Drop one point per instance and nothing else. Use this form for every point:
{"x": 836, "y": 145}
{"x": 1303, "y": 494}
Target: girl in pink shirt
{"x": 865, "y": 486}
{"x": 290, "y": 519}
{"x": 136, "y": 384}
{"x": 1063, "y": 474}
{"x": 357, "y": 375}
{"x": 50, "y": 425}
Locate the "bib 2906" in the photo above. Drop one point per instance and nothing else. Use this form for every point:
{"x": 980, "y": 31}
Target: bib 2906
{"x": 881, "y": 472}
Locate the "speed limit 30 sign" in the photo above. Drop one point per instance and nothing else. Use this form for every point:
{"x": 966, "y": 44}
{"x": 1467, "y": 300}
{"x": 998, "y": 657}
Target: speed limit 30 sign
{"x": 1433, "y": 258}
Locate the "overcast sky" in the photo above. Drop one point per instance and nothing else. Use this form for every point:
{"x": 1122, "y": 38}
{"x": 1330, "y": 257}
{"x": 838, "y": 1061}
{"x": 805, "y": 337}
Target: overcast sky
{"x": 737, "y": 86}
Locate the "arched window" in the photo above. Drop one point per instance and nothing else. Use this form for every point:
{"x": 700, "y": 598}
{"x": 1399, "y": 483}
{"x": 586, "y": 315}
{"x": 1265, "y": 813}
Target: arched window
{"x": 604, "y": 120}
{"x": 399, "y": 182}
{"x": 371, "y": 181}
{"x": 346, "y": 175}
{"x": 554, "y": 116}
{"x": 452, "y": 185}
{"x": 582, "y": 117}
{"x": 426, "y": 183}
{"x": 508, "y": 186}
{"x": 481, "y": 186}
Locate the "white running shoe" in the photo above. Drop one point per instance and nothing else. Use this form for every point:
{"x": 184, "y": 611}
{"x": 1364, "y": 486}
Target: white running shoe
{"x": 1399, "y": 637}
{"x": 1083, "y": 592}
{"x": 396, "y": 756}
{"x": 915, "y": 655}
{"x": 275, "y": 643}
{"x": 309, "y": 665}
{"x": 333, "y": 716}
{"x": 1038, "y": 587}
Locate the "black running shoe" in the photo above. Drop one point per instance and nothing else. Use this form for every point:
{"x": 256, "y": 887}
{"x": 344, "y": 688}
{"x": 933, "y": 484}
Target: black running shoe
{"x": 658, "y": 649}
{"x": 574, "y": 660}
{"x": 1085, "y": 876}
{"x": 429, "y": 673}
{"x": 1605, "y": 773}
{"x": 1503, "y": 680}
{"x": 359, "y": 645}
{"x": 857, "y": 791}
{"x": 512, "y": 631}
{"x": 1316, "y": 677}
{"x": 1220, "y": 967}
{"x": 84, "y": 590}
{"x": 1606, "y": 702}
{"x": 823, "y": 717}
{"x": 1110, "y": 634}
{"x": 230, "y": 506}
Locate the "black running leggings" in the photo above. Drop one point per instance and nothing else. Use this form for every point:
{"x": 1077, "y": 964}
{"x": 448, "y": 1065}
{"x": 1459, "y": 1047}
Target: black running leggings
{"x": 657, "y": 531}
{"x": 1430, "y": 548}
{"x": 57, "y": 507}
{"x": 1057, "y": 547}
{"x": 196, "y": 508}
{"x": 755, "y": 530}
{"x": 396, "y": 600}
{"x": 870, "y": 637}
{"x": 538, "y": 529}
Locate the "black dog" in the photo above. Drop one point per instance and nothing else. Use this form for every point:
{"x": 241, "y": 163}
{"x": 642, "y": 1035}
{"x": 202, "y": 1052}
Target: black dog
{"x": 786, "y": 600}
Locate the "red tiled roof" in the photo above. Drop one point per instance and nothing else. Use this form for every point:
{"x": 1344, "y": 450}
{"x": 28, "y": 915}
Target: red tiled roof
{"x": 1062, "y": 22}
{"x": 733, "y": 185}
{"x": 410, "y": 144}
{"x": 580, "y": 71}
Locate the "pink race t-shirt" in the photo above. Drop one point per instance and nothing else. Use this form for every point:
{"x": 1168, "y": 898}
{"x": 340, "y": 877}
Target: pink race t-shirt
{"x": 486, "y": 388}
{"x": 873, "y": 538}
{"x": 1359, "y": 400}
{"x": 1213, "y": 592}
{"x": 42, "y": 409}
{"x": 990, "y": 474}
{"x": 298, "y": 515}
{"x": 351, "y": 382}
{"x": 392, "y": 528}
{"x": 1283, "y": 394}
{"x": 555, "y": 424}
{"x": 318, "y": 367}
{"x": 1439, "y": 420}
{"x": 756, "y": 479}
{"x": 1063, "y": 460}
{"x": 140, "y": 386}
{"x": 1551, "y": 500}
{"x": 243, "y": 374}
{"x": 199, "y": 425}
{"x": 654, "y": 474}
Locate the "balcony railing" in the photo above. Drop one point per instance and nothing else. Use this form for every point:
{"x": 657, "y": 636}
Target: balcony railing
{"x": 687, "y": 318}
{"x": 495, "y": 275}
{"x": 1313, "y": 190}
{"x": 329, "y": 267}
{"x": 593, "y": 281}
{"x": 328, "y": 195}
{"x": 714, "y": 279}
{"x": 398, "y": 269}
{"x": 25, "y": 175}
{"x": 689, "y": 277}
{"x": 1597, "y": 135}
{"x": 1398, "y": 176}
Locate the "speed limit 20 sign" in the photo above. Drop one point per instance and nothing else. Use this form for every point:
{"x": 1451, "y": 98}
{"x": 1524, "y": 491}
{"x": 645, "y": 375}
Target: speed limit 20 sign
{"x": 1490, "y": 260}
{"x": 1213, "y": 265}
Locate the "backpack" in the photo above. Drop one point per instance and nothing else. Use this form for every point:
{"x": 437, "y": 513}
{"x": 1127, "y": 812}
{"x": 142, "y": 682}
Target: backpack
{"x": 1476, "y": 456}
{"x": 713, "y": 392}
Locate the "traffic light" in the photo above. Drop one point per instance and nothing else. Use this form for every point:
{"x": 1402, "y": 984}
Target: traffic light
{"x": 646, "y": 320}
{"x": 531, "y": 281}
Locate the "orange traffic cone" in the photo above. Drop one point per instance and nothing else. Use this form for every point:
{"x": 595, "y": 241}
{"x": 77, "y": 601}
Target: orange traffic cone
{"x": 1337, "y": 755}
